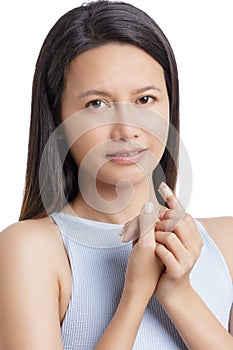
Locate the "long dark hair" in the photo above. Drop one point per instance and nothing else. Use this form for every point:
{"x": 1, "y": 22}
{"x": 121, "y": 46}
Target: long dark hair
{"x": 81, "y": 29}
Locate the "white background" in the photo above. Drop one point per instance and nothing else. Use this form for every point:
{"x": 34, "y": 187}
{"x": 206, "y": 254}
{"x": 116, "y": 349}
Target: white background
{"x": 201, "y": 34}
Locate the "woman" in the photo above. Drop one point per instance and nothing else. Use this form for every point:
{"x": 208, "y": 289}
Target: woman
{"x": 67, "y": 281}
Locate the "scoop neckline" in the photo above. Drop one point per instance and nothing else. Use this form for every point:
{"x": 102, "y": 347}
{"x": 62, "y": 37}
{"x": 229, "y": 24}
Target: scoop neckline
{"x": 90, "y": 221}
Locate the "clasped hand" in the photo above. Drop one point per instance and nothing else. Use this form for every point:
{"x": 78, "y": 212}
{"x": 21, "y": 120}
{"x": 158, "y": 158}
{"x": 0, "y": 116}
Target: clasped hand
{"x": 165, "y": 248}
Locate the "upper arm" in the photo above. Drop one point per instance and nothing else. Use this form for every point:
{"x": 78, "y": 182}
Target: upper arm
{"x": 221, "y": 231}
{"x": 231, "y": 321}
{"x": 29, "y": 291}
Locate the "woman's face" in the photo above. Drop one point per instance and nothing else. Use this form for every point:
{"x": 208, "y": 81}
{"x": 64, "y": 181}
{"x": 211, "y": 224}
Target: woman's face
{"x": 98, "y": 81}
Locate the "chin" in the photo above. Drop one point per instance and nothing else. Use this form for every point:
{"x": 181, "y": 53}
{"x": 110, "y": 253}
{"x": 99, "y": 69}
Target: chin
{"x": 128, "y": 176}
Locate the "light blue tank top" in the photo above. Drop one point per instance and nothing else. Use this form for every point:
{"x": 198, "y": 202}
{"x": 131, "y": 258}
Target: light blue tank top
{"x": 98, "y": 262}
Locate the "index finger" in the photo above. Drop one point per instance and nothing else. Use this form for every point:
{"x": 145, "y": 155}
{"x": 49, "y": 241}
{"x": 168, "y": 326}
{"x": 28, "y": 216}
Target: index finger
{"x": 173, "y": 202}
{"x": 170, "y": 197}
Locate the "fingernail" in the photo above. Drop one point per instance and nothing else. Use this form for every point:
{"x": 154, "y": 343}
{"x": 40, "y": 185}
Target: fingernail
{"x": 148, "y": 208}
{"x": 165, "y": 191}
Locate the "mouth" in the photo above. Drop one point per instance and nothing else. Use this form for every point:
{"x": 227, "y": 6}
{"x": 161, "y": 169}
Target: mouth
{"x": 127, "y": 156}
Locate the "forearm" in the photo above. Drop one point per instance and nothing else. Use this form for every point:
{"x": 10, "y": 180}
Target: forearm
{"x": 123, "y": 328}
{"x": 196, "y": 324}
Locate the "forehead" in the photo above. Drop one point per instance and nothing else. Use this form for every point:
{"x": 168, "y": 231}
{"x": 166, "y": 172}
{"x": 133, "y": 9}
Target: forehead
{"x": 114, "y": 64}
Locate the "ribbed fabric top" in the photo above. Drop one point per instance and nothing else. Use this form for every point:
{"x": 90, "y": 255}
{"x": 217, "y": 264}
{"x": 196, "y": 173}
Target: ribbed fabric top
{"x": 98, "y": 262}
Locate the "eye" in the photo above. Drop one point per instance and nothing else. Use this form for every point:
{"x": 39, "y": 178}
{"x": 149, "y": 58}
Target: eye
{"x": 145, "y": 100}
{"x": 97, "y": 104}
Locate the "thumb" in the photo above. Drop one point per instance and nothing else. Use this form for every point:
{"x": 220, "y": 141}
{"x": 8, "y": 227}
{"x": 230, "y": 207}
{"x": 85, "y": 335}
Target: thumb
{"x": 147, "y": 220}
{"x": 140, "y": 225}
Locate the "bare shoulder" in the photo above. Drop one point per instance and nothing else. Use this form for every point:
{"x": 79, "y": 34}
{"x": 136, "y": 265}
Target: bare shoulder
{"x": 30, "y": 234}
{"x": 38, "y": 240}
{"x": 220, "y": 230}
{"x": 32, "y": 239}
{"x": 33, "y": 250}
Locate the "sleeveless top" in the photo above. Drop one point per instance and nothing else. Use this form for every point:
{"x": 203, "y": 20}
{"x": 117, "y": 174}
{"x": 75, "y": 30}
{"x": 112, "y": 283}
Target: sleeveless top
{"x": 98, "y": 263}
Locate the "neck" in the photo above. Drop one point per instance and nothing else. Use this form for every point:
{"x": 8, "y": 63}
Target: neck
{"x": 115, "y": 205}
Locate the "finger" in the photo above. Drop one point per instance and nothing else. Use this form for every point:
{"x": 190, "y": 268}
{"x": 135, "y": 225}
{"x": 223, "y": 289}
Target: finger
{"x": 130, "y": 231}
{"x": 140, "y": 225}
{"x": 173, "y": 244}
{"x": 186, "y": 231}
{"x": 162, "y": 211}
{"x": 165, "y": 214}
{"x": 167, "y": 258}
{"x": 173, "y": 202}
{"x": 170, "y": 224}
{"x": 169, "y": 220}
{"x": 169, "y": 214}
{"x": 147, "y": 220}
{"x": 169, "y": 196}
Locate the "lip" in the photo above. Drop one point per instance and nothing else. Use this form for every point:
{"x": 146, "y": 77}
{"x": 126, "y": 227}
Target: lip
{"x": 127, "y": 156}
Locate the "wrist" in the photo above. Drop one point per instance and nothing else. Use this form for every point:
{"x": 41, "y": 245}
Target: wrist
{"x": 178, "y": 295}
{"x": 131, "y": 300}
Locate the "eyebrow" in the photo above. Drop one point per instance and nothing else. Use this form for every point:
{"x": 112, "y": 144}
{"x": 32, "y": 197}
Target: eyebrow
{"x": 146, "y": 88}
{"x": 105, "y": 93}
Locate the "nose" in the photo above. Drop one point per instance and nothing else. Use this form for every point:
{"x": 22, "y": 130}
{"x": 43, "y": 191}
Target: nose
{"x": 122, "y": 129}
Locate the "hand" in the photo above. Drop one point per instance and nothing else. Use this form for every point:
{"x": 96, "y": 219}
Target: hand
{"x": 178, "y": 245}
{"x": 144, "y": 267}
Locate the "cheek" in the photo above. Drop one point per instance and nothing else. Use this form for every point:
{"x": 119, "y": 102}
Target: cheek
{"x": 85, "y": 144}
{"x": 78, "y": 150}
{"x": 157, "y": 148}
{"x": 158, "y": 138}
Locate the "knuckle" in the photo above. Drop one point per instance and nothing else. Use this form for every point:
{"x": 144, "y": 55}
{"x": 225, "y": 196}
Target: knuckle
{"x": 192, "y": 258}
{"x": 166, "y": 215}
{"x": 177, "y": 224}
{"x": 179, "y": 272}
{"x": 167, "y": 255}
{"x": 170, "y": 237}
{"x": 170, "y": 225}
{"x": 190, "y": 261}
{"x": 201, "y": 242}
{"x": 198, "y": 251}
{"x": 188, "y": 218}
{"x": 170, "y": 214}
{"x": 181, "y": 213}
{"x": 146, "y": 246}
{"x": 163, "y": 212}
